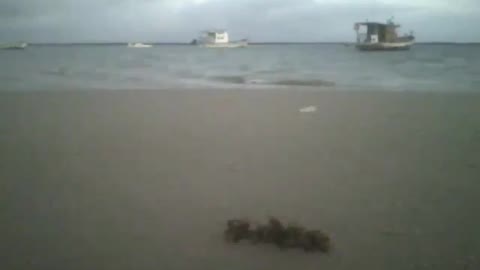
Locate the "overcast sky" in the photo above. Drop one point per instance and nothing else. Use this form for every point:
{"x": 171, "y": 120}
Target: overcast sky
{"x": 258, "y": 20}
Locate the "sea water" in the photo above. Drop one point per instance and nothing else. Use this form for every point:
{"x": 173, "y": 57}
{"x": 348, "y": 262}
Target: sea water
{"x": 323, "y": 66}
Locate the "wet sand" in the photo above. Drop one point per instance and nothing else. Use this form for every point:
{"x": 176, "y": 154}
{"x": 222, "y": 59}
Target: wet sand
{"x": 146, "y": 179}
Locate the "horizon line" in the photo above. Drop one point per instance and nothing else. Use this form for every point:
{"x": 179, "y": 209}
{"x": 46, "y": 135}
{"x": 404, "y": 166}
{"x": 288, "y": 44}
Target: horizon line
{"x": 253, "y": 43}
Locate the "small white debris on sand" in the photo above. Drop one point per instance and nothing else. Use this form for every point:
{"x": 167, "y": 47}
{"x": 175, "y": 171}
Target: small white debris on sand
{"x": 308, "y": 109}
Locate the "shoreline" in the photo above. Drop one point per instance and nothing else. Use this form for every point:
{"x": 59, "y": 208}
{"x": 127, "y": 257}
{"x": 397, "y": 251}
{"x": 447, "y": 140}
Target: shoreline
{"x": 250, "y": 88}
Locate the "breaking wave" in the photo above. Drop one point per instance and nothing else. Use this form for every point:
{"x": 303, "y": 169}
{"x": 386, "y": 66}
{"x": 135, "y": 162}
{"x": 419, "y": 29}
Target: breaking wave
{"x": 305, "y": 83}
{"x": 230, "y": 79}
{"x": 282, "y": 82}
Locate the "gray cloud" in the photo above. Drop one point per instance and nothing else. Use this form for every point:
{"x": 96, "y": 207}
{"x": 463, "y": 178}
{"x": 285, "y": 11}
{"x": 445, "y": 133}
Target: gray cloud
{"x": 265, "y": 20}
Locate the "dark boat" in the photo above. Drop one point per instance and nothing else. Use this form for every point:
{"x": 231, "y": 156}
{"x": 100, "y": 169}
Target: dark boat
{"x": 381, "y": 37}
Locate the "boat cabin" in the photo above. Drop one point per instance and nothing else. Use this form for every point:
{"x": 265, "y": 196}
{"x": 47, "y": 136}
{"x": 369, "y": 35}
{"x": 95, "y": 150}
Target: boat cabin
{"x": 216, "y": 37}
{"x": 373, "y": 32}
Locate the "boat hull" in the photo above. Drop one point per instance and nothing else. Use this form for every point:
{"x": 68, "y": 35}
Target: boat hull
{"x": 383, "y": 46}
{"x": 225, "y": 45}
{"x": 20, "y": 46}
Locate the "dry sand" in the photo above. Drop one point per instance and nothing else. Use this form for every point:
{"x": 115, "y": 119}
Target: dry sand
{"x": 146, "y": 179}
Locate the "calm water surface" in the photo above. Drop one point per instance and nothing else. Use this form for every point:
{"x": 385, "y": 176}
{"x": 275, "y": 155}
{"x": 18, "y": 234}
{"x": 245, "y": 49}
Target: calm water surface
{"x": 425, "y": 67}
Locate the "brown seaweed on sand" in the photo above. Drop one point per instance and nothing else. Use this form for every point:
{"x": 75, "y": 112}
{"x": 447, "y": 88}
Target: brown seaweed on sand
{"x": 274, "y": 232}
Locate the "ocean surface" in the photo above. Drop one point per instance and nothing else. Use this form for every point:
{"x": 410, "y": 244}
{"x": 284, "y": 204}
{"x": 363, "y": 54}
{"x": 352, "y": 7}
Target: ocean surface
{"x": 328, "y": 66}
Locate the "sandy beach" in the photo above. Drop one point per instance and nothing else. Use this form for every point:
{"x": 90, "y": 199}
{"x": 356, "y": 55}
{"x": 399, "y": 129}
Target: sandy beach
{"x": 146, "y": 179}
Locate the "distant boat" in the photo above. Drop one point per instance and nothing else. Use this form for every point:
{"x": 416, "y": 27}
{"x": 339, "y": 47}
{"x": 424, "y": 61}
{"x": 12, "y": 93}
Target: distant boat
{"x": 14, "y": 46}
{"x": 139, "y": 45}
{"x": 381, "y": 37}
{"x": 219, "y": 39}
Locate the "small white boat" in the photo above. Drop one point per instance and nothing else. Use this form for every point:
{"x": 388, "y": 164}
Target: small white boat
{"x": 381, "y": 37}
{"x": 139, "y": 45}
{"x": 14, "y": 46}
{"x": 218, "y": 39}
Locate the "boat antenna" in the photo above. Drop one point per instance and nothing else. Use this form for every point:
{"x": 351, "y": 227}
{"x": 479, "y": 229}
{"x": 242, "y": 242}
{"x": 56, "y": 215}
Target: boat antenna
{"x": 390, "y": 21}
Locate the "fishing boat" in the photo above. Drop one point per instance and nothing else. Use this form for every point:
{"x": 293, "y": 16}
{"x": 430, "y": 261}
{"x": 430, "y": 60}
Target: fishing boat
{"x": 139, "y": 45}
{"x": 218, "y": 39}
{"x": 14, "y": 46}
{"x": 374, "y": 36}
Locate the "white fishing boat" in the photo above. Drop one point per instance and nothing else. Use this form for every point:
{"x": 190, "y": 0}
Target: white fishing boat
{"x": 218, "y": 39}
{"x": 13, "y": 46}
{"x": 372, "y": 36}
{"x": 139, "y": 45}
